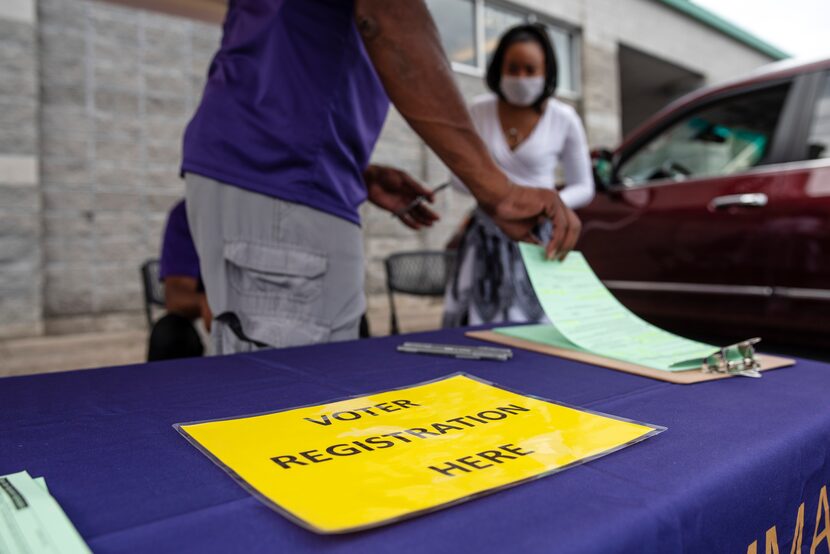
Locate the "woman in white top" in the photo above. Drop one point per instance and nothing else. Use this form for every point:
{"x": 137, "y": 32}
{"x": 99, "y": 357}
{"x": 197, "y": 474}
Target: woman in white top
{"x": 529, "y": 133}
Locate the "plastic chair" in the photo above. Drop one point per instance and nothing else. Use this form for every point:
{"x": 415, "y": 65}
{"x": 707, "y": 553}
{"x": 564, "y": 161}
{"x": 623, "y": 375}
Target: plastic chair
{"x": 422, "y": 273}
{"x": 153, "y": 288}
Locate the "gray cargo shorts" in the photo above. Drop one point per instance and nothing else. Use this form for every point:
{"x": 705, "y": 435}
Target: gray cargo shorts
{"x": 276, "y": 273}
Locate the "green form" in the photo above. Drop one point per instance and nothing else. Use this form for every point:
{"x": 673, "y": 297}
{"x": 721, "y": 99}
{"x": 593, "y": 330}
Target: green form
{"x": 588, "y": 318}
{"x": 31, "y": 520}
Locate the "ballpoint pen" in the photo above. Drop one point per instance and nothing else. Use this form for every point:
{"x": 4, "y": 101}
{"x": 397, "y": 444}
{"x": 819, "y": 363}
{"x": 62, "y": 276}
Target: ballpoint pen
{"x": 419, "y": 200}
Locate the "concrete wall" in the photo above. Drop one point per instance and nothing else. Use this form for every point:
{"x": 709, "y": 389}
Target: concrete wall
{"x": 20, "y": 196}
{"x": 118, "y": 88}
{"x": 93, "y": 101}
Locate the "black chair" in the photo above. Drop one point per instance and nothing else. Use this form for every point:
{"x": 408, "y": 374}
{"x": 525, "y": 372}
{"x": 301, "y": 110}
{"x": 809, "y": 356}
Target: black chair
{"x": 153, "y": 288}
{"x": 422, "y": 273}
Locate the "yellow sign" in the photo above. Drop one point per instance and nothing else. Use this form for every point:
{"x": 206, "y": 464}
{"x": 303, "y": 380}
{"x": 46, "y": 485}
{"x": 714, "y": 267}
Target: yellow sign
{"x": 371, "y": 460}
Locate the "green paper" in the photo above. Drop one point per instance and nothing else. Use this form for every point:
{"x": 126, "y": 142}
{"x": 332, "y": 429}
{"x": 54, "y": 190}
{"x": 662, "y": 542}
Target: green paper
{"x": 41, "y": 481}
{"x": 586, "y": 317}
{"x": 31, "y": 520}
{"x": 545, "y": 334}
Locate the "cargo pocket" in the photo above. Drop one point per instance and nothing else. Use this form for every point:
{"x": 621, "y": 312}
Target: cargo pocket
{"x": 276, "y": 291}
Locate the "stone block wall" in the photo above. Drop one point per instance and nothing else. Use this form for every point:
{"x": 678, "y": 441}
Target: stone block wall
{"x": 118, "y": 86}
{"x": 20, "y": 197}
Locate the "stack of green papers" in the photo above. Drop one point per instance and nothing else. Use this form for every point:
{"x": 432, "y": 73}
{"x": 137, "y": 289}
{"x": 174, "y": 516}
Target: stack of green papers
{"x": 586, "y": 317}
{"x": 32, "y": 521}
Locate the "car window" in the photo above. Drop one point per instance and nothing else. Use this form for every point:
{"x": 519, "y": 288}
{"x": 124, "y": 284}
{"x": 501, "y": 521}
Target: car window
{"x": 818, "y": 143}
{"x": 722, "y": 138}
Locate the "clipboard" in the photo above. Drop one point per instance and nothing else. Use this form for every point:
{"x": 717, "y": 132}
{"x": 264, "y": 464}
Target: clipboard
{"x": 767, "y": 362}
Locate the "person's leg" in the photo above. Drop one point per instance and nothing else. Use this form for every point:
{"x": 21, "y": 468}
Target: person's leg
{"x": 276, "y": 273}
{"x": 204, "y": 205}
{"x": 172, "y": 337}
{"x": 343, "y": 299}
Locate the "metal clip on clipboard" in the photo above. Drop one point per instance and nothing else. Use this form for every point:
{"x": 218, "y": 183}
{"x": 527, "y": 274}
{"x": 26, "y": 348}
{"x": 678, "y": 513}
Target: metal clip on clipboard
{"x": 735, "y": 359}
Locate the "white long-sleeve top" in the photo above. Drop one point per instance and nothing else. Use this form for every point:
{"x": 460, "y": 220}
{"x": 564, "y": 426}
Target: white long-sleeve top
{"x": 558, "y": 137}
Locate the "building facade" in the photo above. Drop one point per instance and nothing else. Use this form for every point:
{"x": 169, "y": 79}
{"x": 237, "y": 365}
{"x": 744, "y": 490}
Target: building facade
{"x": 94, "y": 97}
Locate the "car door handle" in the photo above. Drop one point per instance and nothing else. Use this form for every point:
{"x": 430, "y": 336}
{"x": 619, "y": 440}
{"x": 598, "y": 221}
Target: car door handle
{"x": 752, "y": 200}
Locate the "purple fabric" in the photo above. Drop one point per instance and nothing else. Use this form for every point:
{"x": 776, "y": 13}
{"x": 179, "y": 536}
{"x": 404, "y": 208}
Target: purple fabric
{"x": 292, "y": 107}
{"x": 178, "y": 252}
{"x": 739, "y": 455}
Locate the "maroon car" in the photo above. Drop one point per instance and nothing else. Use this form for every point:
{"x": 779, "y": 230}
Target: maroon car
{"x": 714, "y": 216}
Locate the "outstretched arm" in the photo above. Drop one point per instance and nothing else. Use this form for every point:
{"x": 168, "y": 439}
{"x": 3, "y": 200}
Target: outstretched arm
{"x": 403, "y": 44}
{"x": 405, "y": 48}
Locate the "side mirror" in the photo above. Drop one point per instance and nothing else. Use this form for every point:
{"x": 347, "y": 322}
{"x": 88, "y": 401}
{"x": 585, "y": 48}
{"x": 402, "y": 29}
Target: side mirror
{"x": 602, "y": 162}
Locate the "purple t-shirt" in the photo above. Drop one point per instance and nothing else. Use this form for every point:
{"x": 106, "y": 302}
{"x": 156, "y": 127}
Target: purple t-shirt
{"x": 178, "y": 253}
{"x": 292, "y": 107}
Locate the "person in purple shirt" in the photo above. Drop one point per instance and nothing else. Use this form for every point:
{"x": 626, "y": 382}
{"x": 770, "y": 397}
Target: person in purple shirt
{"x": 173, "y": 335}
{"x": 276, "y": 162}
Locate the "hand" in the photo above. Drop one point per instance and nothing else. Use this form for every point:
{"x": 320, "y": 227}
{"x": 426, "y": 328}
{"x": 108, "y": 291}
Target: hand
{"x": 523, "y": 208}
{"x": 393, "y": 190}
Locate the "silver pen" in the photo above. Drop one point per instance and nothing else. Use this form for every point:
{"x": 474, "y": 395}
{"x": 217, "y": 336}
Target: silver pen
{"x": 457, "y": 351}
{"x": 419, "y": 200}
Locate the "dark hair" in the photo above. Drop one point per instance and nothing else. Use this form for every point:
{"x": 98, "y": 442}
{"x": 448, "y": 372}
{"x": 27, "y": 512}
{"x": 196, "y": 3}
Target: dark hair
{"x": 523, "y": 33}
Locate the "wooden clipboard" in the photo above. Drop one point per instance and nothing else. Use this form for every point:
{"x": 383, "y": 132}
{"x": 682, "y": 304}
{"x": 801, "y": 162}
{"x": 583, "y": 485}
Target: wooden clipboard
{"x": 679, "y": 377}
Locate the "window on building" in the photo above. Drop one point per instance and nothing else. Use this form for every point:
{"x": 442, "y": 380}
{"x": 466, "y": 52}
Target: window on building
{"x": 563, "y": 46}
{"x": 496, "y": 21}
{"x": 723, "y": 138}
{"x": 470, "y": 30}
{"x": 456, "y": 20}
{"x": 818, "y": 143}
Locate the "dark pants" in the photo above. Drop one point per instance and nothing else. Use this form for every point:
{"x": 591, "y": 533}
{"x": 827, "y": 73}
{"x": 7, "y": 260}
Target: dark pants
{"x": 364, "y": 327}
{"x": 173, "y": 336}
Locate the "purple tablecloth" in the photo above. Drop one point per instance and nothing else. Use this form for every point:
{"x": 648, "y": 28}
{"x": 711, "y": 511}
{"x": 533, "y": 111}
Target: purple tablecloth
{"x": 739, "y": 456}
